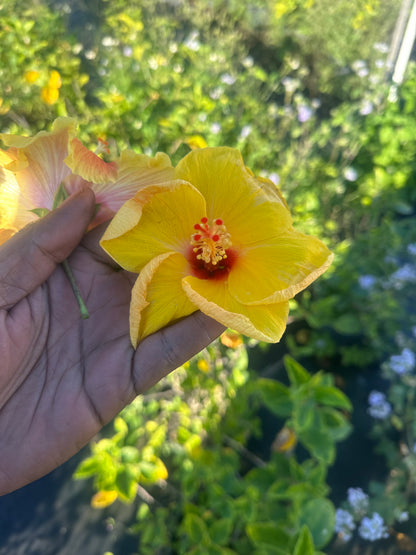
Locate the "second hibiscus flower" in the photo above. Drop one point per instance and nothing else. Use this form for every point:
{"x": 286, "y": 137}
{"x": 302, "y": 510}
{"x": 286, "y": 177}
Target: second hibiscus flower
{"x": 217, "y": 239}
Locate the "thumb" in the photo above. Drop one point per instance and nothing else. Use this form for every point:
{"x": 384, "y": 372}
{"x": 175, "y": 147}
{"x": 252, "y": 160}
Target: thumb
{"x": 28, "y": 258}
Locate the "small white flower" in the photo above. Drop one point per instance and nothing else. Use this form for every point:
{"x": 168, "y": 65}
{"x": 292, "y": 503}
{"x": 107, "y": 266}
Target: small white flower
{"x": 216, "y": 93}
{"x": 127, "y": 51}
{"x": 90, "y": 54}
{"x": 373, "y": 528}
{"x": 228, "y": 79}
{"x": 344, "y": 524}
{"x": 366, "y": 107}
{"x": 215, "y": 128}
{"x": 381, "y": 47}
{"x": 358, "y": 64}
{"x": 109, "y": 41}
{"x": 273, "y": 176}
{"x": 248, "y": 61}
{"x": 304, "y": 113}
{"x": 173, "y": 47}
{"x": 192, "y": 43}
{"x": 350, "y": 174}
{"x": 245, "y": 132}
{"x": 290, "y": 84}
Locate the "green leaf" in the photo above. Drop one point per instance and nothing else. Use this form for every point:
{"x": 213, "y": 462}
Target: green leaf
{"x": 220, "y": 530}
{"x": 126, "y": 484}
{"x": 332, "y": 396}
{"x": 319, "y": 444}
{"x": 129, "y": 454}
{"x": 267, "y": 533}
{"x": 336, "y": 423}
{"x": 304, "y": 414}
{"x": 304, "y": 544}
{"x": 347, "y": 324}
{"x": 275, "y": 396}
{"x": 40, "y": 212}
{"x": 297, "y": 374}
{"x": 196, "y": 529}
{"x": 319, "y": 516}
{"x": 60, "y": 196}
{"x": 87, "y": 468}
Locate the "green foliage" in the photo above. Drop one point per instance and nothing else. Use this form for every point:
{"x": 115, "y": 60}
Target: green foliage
{"x": 312, "y": 404}
{"x": 197, "y": 422}
{"x": 299, "y": 86}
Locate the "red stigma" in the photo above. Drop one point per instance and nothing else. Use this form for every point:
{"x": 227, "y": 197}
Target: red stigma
{"x": 215, "y": 237}
{"x": 197, "y": 226}
{"x": 204, "y": 220}
{"x": 218, "y": 222}
{"x": 197, "y": 237}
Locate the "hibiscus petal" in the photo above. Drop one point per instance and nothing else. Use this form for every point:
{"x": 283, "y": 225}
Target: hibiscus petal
{"x": 136, "y": 171}
{"x": 159, "y": 219}
{"x": 14, "y": 208}
{"x": 250, "y": 213}
{"x": 88, "y": 165}
{"x": 38, "y": 162}
{"x": 278, "y": 270}
{"x": 262, "y": 322}
{"x": 157, "y": 298}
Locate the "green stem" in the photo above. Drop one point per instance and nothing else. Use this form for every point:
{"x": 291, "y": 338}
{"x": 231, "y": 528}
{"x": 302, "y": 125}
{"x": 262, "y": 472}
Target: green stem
{"x": 75, "y": 289}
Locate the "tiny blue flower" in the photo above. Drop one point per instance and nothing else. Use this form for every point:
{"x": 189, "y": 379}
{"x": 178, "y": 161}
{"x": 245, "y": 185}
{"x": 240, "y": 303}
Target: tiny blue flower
{"x": 358, "y": 501}
{"x": 373, "y": 528}
{"x": 344, "y": 524}
{"x": 403, "y": 363}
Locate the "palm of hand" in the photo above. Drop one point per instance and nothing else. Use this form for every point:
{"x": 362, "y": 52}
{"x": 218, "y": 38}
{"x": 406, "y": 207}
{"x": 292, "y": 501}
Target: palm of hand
{"x": 62, "y": 377}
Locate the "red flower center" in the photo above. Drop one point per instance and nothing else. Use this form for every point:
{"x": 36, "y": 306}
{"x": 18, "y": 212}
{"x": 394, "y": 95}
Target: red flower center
{"x": 210, "y": 253}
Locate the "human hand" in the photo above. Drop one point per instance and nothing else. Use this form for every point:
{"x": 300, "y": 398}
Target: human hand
{"x": 61, "y": 377}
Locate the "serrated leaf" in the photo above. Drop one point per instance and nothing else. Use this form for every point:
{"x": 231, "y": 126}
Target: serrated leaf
{"x": 275, "y": 396}
{"x": 298, "y": 375}
{"x": 332, "y": 396}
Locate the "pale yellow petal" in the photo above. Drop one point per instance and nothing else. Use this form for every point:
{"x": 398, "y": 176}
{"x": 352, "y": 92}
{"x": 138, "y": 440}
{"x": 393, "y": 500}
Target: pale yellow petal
{"x": 159, "y": 219}
{"x": 277, "y": 270}
{"x": 250, "y": 214}
{"x": 134, "y": 172}
{"x": 88, "y": 165}
{"x": 39, "y": 162}
{"x": 14, "y": 207}
{"x": 262, "y": 322}
{"x": 157, "y": 298}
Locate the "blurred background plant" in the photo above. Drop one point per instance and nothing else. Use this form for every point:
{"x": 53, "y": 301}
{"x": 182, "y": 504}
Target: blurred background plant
{"x": 231, "y": 453}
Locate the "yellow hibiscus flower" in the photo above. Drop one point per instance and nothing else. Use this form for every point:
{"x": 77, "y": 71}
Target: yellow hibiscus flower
{"x": 32, "y": 170}
{"x": 217, "y": 239}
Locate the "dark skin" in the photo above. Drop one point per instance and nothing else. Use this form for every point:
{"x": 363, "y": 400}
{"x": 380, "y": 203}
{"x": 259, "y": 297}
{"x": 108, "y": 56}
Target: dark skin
{"x": 61, "y": 377}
